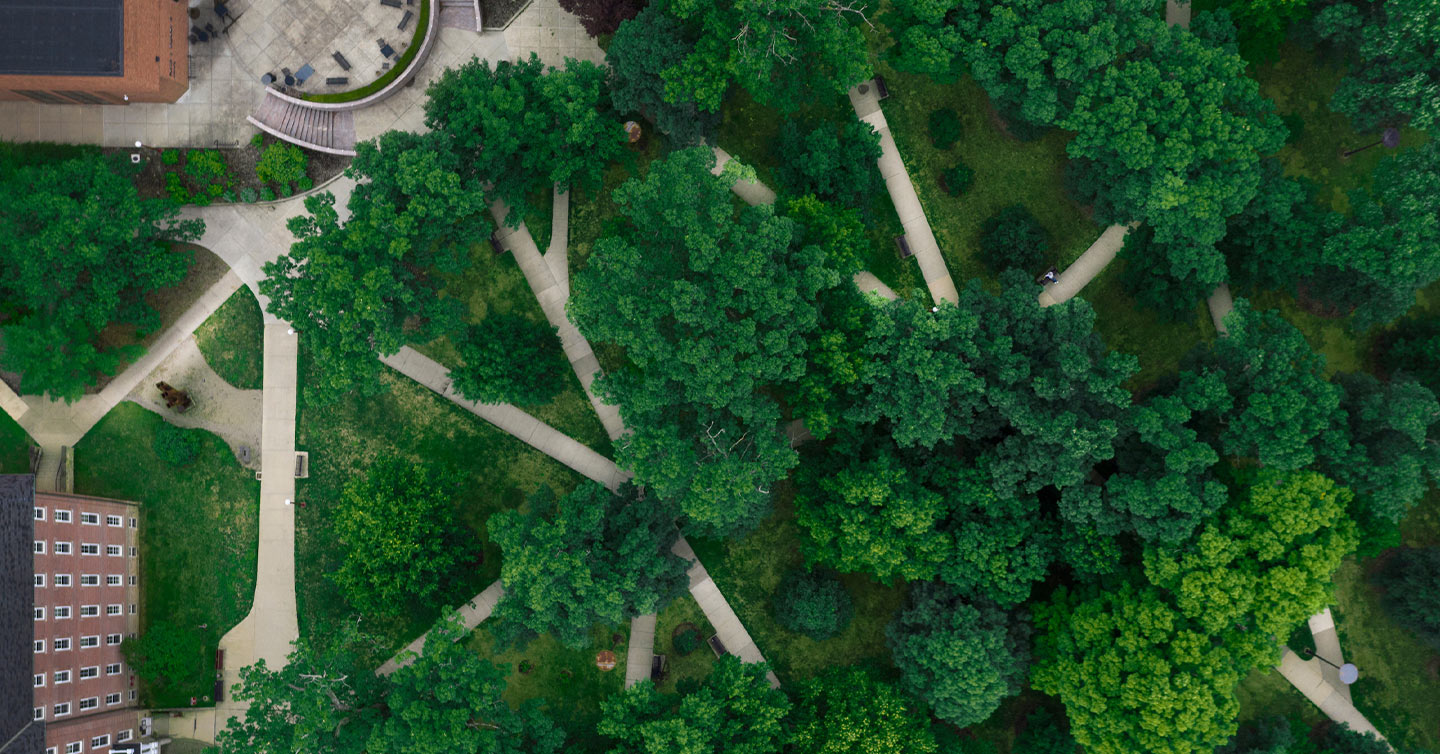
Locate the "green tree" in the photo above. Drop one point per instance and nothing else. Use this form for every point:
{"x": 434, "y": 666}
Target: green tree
{"x": 168, "y": 656}
{"x": 641, "y": 50}
{"x": 280, "y": 162}
{"x": 1276, "y": 240}
{"x": 1413, "y": 348}
{"x": 510, "y": 359}
{"x": 732, "y": 711}
{"x": 963, "y": 659}
{"x": 1134, "y": 675}
{"x": 1158, "y": 275}
{"x": 834, "y": 163}
{"x": 1044, "y": 734}
{"x": 1012, "y": 237}
{"x": 1395, "y": 77}
{"x": 79, "y": 251}
{"x": 519, "y": 126}
{"x": 401, "y": 537}
{"x": 1410, "y": 597}
{"x": 590, "y": 557}
{"x": 814, "y": 604}
{"x": 846, "y": 710}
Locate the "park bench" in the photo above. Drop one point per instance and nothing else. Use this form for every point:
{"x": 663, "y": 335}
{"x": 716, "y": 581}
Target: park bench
{"x": 659, "y": 668}
{"x": 344, "y": 64}
{"x": 391, "y": 3}
{"x": 337, "y": 80}
{"x": 904, "y": 246}
{"x": 405, "y": 20}
{"x": 717, "y": 646}
{"x": 495, "y": 243}
{"x": 302, "y": 465}
{"x": 881, "y": 92}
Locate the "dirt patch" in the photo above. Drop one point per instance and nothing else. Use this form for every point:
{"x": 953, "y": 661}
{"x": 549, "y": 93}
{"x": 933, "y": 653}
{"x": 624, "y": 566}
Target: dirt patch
{"x": 495, "y": 15}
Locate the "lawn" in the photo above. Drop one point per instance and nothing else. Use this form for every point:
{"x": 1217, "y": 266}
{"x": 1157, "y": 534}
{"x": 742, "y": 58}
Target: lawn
{"x": 233, "y": 340}
{"x": 1126, "y": 326}
{"x": 694, "y": 666}
{"x": 14, "y": 447}
{"x": 566, "y": 679}
{"x": 198, "y": 525}
{"x": 410, "y": 422}
{"x": 494, "y": 284}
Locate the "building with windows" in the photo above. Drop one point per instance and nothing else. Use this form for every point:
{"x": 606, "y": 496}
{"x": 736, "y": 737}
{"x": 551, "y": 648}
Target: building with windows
{"x": 82, "y": 600}
{"x": 94, "y": 52}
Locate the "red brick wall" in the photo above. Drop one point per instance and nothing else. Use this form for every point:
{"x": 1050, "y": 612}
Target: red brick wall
{"x": 85, "y": 729}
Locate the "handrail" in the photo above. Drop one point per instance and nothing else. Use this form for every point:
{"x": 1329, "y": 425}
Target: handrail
{"x": 426, "y": 46}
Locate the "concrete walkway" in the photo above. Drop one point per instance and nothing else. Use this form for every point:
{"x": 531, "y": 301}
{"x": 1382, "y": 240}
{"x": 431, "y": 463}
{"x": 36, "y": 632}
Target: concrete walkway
{"x": 640, "y": 654}
{"x": 727, "y": 625}
{"x": 552, "y": 297}
{"x": 219, "y": 407}
{"x": 1220, "y": 304}
{"x": 1177, "y": 13}
{"x": 1319, "y": 682}
{"x": 557, "y": 257}
{"x": 752, "y": 191}
{"x": 868, "y": 283}
{"x": 907, "y": 203}
{"x": 1087, "y": 266}
{"x": 472, "y": 614}
{"x": 539, "y": 435}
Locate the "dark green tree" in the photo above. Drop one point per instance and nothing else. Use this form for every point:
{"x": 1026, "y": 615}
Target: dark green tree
{"x": 1159, "y": 278}
{"x": 834, "y": 163}
{"x": 1414, "y": 348}
{"x": 1410, "y": 597}
{"x": 1395, "y": 77}
{"x": 510, "y": 359}
{"x": 642, "y": 49}
{"x": 814, "y": 604}
{"x": 846, "y": 710}
{"x": 732, "y": 711}
{"x": 1044, "y": 734}
{"x": 1276, "y": 241}
{"x": 1013, "y": 238}
{"x": 79, "y": 251}
{"x": 168, "y": 658}
{"x": 964, "y": 659}
{"x": 591, "y": 557}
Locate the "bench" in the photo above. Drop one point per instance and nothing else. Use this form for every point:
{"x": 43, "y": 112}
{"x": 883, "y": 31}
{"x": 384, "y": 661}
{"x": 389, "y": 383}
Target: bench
{"x": 337, "y": 80}
{"x": 405, "y": 20}
{"x": 302, "y": 465}
{"x": 344, "y": 64}
{"x": 495, "y": 243}
{"x": 659, "y": 668}
{"x": 880, "y": 91}
{"x": 904, "y": 246}
{"x": 717, "y": 646}
{"x": 391, "y": 3}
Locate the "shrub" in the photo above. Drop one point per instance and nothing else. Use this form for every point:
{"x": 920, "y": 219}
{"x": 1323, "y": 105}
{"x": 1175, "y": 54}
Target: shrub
{"x": 167, "y": 657}
{"x": 175, "y": 187}
{"x": 510, "y": 359}
{"x": 267, "y": 194}
{"x": 958, "y": 180}
{"x": 257, "y": 140}
{"x": 170, "y": 156}
{"x": 1412, "y": 598}
{"x": 813, "y": 604}
{"x": 944, "y": 128}
{"x": 1013, "y": 237}
{"x": 228, "y": 196}
{"x": 248, "y": 195}
{"x": 207, "y": 166}
{"x": 282, "y": 163}
{"x": 687, "y": 641}
{"x": 833, "y": 163}
{"x": 176, "y": 446}
{"x": 304, "y": 184}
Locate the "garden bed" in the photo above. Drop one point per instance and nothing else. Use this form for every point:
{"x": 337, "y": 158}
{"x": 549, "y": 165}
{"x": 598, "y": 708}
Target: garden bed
{"x": 238, "y": 169}
{"x": 496, "y": 15}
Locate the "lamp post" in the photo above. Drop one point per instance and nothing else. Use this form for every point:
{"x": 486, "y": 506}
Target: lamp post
{"x": 1390, "y": 138}
{"x": 1348, "y": 672}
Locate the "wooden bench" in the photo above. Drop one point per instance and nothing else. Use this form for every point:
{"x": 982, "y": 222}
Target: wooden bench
{"x": 881, "y": 92}
{"x": 391, "y": 3}
{"x": 344, "y": 64}
{"x": 495, "y": 243}
{"x": 302, "y": 464}
{"x": 717, "y": 646}
{"x": 904, "y": 246}
{"x": 659, "y": 668}
{"x": 337, "y": 80}
{"x": 405, "y": 20}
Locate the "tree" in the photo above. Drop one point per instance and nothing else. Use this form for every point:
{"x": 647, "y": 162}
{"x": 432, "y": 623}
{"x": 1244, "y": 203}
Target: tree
{"x": 642, "y": 49}
{"x": 1414, "y": 348}
{"x": 814, "y": 604}
{"x": 1276, "y": 240}
{"x": 402, "y": 539}
{"x": 1263, "y": 565}
{"x": 1012, "y": 237}
{"x": 600, "y": 17}
{"x": 366, "y": 287}
{"x": 167, "y": 656}
{"x": 510, "y": 359}
{"x": 1134, "y": 675}
{"x": 79, "y": 251}
{"x": 1408, "y": 580}
{"x": 835, "y": 164}
{"x": 1168, "y": 279}
{"x": 520, "y": 126}
{"x": 282, "y": 163}
{"x": 846, "y": 709}
{"x": 1394, "y": 79}
{"x": 1044, "y": 734}
{"x": 962, "y": 658}
{"x": 590, "y": 557}
{"x": 732, "y": 711}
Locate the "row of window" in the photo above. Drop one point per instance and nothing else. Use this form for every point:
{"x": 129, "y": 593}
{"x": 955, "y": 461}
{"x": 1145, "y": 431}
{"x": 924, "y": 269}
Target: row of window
{"x": 64, "y": 548}
{"x": 63, "y": 676}
{"x": 86, "y": 579}
{"x": 92, "y": 519}
{"x": 86, "y": 611}
{"x": 63, "y": 708}
{"x": 98, "y": 742}
{"x": 86, "y": 642}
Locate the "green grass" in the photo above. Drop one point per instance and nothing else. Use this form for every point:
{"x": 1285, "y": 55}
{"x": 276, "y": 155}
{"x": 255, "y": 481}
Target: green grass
{"x": 748, "y": 571}
{"x": 1126, "y": 326}
{"x": 233, "y": 340}
{"x": 199, "y": 523}
{"x": 422, "y": 20}
{"x": 495, "y": 285}
{"x": 411, "y": 422}
{"x": 16, "y": 155}
{"x": 574, "y": 702}
{"x": 14, "y": 447}
{"x": 538, "y": 220}
{"x": 694, "y": 666}
{"x": 1265, "y": 693}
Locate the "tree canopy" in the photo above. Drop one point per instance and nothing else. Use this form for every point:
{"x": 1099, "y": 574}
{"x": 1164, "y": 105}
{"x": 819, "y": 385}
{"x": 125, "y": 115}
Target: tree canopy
{"x": 846, "y": 710}
{"x": 1394, "y": 77}
{"x": 641, "y": 51}
{"x": 510, "y": 359}
{"x": 732, "y": 711}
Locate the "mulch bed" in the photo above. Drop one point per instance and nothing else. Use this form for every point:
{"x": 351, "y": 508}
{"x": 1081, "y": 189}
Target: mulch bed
{"x": 151, "y": 182}
{"x": 498, "y": 14}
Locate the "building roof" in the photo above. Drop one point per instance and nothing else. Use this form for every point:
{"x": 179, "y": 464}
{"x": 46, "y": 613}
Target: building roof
{"x": 62, "y": 37}
{"x": 18, "y": 733}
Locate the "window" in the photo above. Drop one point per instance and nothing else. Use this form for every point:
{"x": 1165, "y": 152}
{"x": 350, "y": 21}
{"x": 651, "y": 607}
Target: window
{"x": 112, "y": 699}
{"x": 131, "y": 695}
{"x": 133, "y": 522}
{"x": 62, "y": 676}
{"x": 89, "y": 579}
{"x": 112, "y": 669}
{"x": 87, "y": 642}
{"x": 100, "y": 741}
{"x": 112, "y": 609}
{"x": 91, "y": 672}
{"x": 39, "y": 713}
{"x": 39, "y": 613}
{"x": 114, "y": 551}
{"x": 112, "y": 639}
{"x": 113, "y": 521}
{"x": 62, "y": 548}
{"x": 89, "y": 549}
{"x": 50, "y": 750}
{"x": 39, "y": 579}
{"x": 62, "y": 517}
{"x": 134, "y": 551}
{"x": 39, "y": 513}
{"x": 39, "y": 680}
{"x": 132, "y": 608}
{"x": 62, "y": 579}
{"x": 92, "y": 519}
{"x": 89, "y": 702}
{"x": 39, "y": 646}
{"x": 72, "y": 748}
{"x": 39, "y": 547}
{"x": 62, "y": 612}
{"x": 132, "y": 580}
{"x": 60, "y": 645}
{"x": 114, "y": 579}
{"x": 123, "y": 736}
{"x": 89, "y": 611}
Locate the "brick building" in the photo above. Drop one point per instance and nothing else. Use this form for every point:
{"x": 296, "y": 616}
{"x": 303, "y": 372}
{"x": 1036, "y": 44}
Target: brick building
{"x": 94, "y": 52}
{"x": 83, "y": 601}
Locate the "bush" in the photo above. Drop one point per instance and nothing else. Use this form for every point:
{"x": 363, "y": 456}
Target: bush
{"x": 957, "y": 180}
{"x": 228, "y": 196}
{"x": 168, "y": 658}
{"x": 283, "y": 164}
{"x": 175, "y": 187}
{"x": 267, "y": 194}
{"x": 207, "y": 166}
{"x": 813, "y": 604}
{"x": 176, "y": 446}
{"x": 248, "y": 195}
{"x": 687, "y": 641}
{"x": 510, "y": 359}
{"x": 304, "y": 184}
{"x": 1411, "y": 581}
{"x": 833, "y": 163}
{"x": 170, "y": 156}
{"x": 1013, "y": 238}
{"x": 944, "y": 128}
{"x": 257, "y": 140}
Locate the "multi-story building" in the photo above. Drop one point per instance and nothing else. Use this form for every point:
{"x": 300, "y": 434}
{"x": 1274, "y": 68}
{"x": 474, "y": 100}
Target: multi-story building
{"x": 94, "y": 52}
{"x": 84, "y": 601}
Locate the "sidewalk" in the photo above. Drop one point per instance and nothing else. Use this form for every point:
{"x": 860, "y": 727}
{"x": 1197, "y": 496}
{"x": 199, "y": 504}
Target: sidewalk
{"x": 753, "y": 192}
{"x": 472, "y": 614}
{"x": 1319, "y": 682}
{"x": 717, "y": 610}
{"x": 1086, "y": 267}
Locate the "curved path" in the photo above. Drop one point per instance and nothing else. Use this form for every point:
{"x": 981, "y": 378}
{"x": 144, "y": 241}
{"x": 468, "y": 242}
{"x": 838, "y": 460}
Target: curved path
{"x": 1086, "y": 267}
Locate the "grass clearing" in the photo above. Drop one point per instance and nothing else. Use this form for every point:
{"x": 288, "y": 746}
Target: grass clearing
{"x": 566, "y": 679}
{"x": 233, "y": 340}
{"x": 694, "y": 666}
{"x": 411, "y": 422}
{"x": 198, "y": 524}
{"x": 1126, "y": 326}
{"x": 14, "y": 447}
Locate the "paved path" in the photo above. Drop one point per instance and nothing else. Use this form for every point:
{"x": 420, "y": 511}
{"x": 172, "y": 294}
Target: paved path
{"x": 557, "y": 257}
{"x": 219, "y": 407}
{"x": 752, "y": 191}
{"x": 1086, "y": 267}
{"x": 1177, "y": 13}
{"x": 1220, "y": 304}
{"x": 641, "y": 653}
{"x": 1319, "y": 682}
{"x": 868, "y": 283}
{"x": 907, "y": 203}
{"x": 472, "y": 614}
{"x": 552, "y": 297}
{"x": 727, "y": 625}
{"x": 539, "y": 435}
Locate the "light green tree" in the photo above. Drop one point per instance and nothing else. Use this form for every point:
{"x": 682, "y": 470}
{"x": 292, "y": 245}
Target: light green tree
{"x": 846, "y": 710}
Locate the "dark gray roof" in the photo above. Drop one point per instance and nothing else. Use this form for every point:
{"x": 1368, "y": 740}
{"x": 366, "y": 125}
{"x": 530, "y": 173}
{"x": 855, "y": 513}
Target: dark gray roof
{"x": 62, "y": 37}
{"x": 17, "y": 585}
